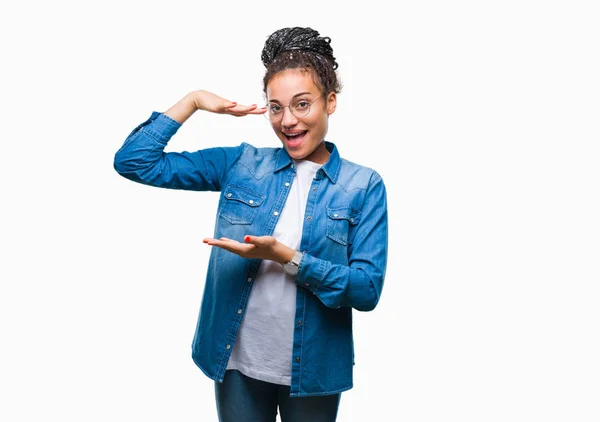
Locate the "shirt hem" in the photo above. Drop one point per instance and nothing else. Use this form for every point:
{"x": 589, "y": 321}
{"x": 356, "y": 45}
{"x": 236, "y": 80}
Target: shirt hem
{"x": 273, "y": 379}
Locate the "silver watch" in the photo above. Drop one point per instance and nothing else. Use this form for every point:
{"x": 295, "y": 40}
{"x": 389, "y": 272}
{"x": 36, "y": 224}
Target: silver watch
{"x": 291, "y": 267}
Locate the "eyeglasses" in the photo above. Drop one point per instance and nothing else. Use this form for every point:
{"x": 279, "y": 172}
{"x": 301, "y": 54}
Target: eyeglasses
{"x": 300, "y": 108}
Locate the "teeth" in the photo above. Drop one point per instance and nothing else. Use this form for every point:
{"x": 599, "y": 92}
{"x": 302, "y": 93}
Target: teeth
{"x": 291, "y": 135}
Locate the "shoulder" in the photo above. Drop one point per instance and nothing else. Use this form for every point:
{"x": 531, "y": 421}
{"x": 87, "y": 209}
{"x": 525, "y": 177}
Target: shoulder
{"x": 253, "y": 151}
{"x": 258, "y": 161}
{"x": 255, "y": 156}
{"x": 357, "y": 176}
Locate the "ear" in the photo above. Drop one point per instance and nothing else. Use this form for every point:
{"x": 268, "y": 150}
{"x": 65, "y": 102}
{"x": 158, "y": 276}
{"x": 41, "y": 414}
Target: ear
{"x": 331, "y": 102}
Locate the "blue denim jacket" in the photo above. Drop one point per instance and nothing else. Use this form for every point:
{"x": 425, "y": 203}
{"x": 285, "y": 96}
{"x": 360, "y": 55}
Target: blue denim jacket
{"x": 344, "y": 240}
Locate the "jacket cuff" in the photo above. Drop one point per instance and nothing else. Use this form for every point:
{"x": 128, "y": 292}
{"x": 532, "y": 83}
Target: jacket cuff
{"x": 161, "y": 126}
{"x": 311, "y": 273}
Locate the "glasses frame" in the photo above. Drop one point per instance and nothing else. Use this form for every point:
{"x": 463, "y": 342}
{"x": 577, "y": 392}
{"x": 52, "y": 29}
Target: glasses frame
{"x": 290, "y": 108}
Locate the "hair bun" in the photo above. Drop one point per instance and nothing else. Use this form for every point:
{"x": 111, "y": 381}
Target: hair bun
{"x": 297, "y": 38}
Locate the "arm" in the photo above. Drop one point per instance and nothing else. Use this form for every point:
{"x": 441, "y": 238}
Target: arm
{"x": 360, "y": 283}
{"x": 142, "y": 157}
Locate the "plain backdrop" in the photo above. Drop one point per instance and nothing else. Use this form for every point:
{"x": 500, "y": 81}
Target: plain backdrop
{"x": 481, "y": 117}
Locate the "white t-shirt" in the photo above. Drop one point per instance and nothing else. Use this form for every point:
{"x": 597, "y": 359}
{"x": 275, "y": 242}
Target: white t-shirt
{"x": 263, "y": 348}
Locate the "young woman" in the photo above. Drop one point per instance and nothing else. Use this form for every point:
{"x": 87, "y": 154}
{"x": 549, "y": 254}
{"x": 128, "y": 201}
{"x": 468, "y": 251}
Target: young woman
{"x": 300, "y": 239}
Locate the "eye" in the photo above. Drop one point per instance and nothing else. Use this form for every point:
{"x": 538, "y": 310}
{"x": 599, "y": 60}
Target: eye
{"x": 302, "y": 105}
{"x": 274, "y": 108}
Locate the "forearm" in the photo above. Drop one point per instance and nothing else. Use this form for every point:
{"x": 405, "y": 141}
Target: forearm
{"x": 341, "y": 285}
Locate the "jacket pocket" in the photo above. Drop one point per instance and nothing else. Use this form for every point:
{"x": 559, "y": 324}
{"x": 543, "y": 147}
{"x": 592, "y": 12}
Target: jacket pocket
{"x": 240, "y": 204}
{"x": 341, "y": 222}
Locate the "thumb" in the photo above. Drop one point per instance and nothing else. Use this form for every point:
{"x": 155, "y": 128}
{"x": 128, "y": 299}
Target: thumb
{"x": 229, "y": 105}
{"x": 254, "y": 240}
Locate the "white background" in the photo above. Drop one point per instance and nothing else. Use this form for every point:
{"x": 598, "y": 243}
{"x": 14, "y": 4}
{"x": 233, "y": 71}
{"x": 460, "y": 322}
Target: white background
{"x": 482, "y": 118}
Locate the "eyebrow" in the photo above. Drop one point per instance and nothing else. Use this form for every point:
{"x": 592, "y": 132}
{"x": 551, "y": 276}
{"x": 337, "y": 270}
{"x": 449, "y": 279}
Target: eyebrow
{"x": 297, "y": 95}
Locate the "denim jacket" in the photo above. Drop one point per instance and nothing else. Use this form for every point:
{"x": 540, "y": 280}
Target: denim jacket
{"x": 344, "y": 240}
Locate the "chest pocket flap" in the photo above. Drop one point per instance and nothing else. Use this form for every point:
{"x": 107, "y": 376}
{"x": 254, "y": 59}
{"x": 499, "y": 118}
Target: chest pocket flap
{"x": 341, "y": 222}
{"x": 240, "y": 204}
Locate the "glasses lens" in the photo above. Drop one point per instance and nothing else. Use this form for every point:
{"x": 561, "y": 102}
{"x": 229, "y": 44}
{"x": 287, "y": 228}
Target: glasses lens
{"x": 274, "y": 112}
{"x": 301, "y": 108}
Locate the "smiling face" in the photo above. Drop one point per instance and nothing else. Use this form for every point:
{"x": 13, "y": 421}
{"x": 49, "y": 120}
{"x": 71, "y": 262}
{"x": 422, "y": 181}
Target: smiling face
{"x": 302, "y": 137}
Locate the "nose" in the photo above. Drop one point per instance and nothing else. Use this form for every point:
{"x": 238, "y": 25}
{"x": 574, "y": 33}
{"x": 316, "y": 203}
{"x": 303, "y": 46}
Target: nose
{"x": 288, "y": 119}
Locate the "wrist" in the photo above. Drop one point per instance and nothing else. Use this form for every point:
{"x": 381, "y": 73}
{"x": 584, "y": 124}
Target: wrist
{"x": 285, "y": 254}
{"x": 197, "y": 99}
{"x": 184, "y": 108}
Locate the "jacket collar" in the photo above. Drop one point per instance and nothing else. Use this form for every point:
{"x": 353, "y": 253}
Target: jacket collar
{"x": 331, "y": 168}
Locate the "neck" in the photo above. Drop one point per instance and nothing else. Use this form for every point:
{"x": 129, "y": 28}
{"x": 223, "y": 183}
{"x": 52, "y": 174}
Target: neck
{"x": 319, "y": 155}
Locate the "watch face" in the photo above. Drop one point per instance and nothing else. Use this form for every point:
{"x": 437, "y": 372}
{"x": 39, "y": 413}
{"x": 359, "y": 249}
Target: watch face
{"x": 290, "y": 269}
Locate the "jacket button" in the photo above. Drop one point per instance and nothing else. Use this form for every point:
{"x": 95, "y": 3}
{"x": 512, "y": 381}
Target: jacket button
{"x": 300, "y": 322}
{"x": 228, "y": 346}
{"x": 275, "y": 213}
{"x": 298, "y": 360}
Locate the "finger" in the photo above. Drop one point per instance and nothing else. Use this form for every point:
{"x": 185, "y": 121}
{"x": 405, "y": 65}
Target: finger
{"x": 224, "y": 242}
{"x": 242, "y": 108}
{"x": 257, "y": 111}
{"x": 228, "y": 240}
{"x": 261, "y": 110}
{"x": 234, "y": 247}
{"x": 240, "y": 114}
{"x": 228, "y": 108}
{"x": 221, "y": 240}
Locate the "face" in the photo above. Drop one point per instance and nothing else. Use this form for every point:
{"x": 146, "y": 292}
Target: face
{"x": 302, "y": 137}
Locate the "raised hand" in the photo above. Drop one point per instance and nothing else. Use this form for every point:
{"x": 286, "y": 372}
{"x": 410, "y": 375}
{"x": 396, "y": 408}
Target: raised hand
{"x": 207, "y": 101}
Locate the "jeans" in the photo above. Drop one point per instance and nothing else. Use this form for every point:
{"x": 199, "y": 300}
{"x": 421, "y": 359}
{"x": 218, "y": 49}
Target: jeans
{"x": 243, "y": 399}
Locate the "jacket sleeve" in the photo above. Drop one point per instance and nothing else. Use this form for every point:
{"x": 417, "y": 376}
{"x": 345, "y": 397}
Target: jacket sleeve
{"x": 143, "y": 160}
{"x": 358, "y": 284}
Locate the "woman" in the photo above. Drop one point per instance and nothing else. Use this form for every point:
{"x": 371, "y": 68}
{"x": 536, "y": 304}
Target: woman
{"x": 300, "y": 239}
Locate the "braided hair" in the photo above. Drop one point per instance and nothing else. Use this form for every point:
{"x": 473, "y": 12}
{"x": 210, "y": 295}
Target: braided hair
{"x": 301, "y": 48}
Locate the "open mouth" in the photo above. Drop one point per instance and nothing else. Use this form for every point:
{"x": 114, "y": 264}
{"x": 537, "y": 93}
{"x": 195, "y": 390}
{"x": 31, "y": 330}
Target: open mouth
{"x": 295, "y": 139}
